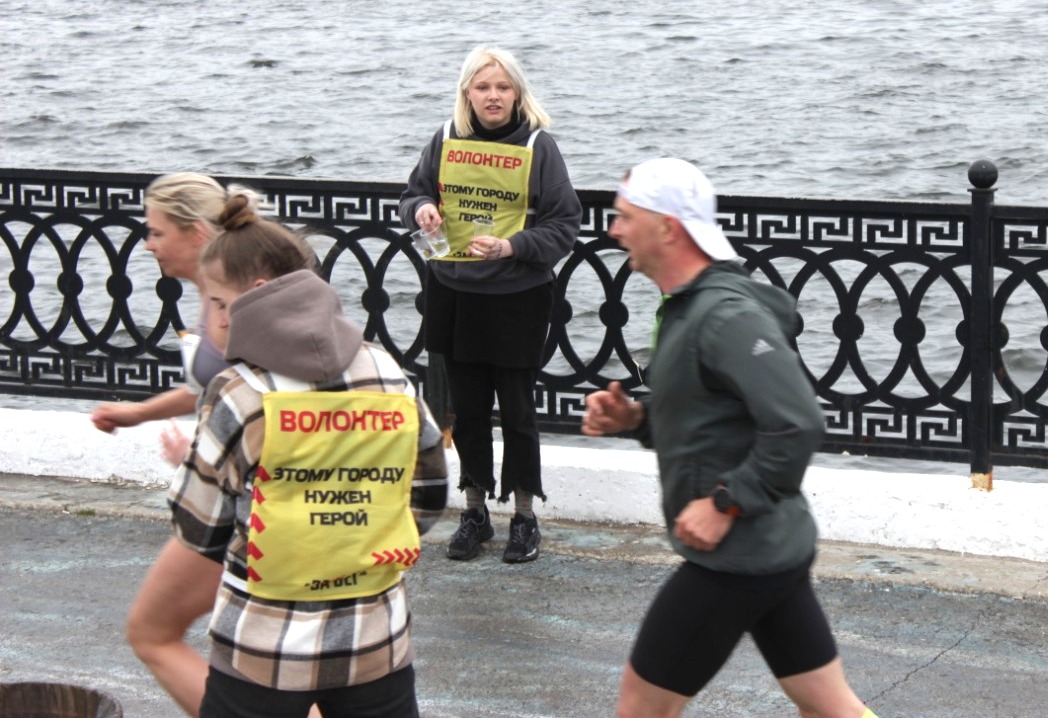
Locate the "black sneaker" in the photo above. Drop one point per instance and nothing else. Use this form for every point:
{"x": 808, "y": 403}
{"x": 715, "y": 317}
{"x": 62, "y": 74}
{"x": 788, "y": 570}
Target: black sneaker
{"x": 474, "y": 529}
{"x": 524, "y": 537}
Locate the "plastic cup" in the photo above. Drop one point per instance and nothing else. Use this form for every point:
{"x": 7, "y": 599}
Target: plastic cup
{"x": 483, "y": 227}
{"x": 430, "y": 244}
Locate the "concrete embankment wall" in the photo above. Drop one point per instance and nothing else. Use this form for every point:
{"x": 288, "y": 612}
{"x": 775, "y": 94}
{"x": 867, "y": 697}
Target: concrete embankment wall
{"x": 611, "y": 485}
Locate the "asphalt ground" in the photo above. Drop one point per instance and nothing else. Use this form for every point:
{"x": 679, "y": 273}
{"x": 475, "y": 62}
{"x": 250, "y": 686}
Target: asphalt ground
{"x": 922, "y": 633}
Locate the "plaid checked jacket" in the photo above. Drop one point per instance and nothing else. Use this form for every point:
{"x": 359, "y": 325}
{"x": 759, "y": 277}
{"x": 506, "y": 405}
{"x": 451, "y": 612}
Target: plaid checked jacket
{"x": 293, "y": 645}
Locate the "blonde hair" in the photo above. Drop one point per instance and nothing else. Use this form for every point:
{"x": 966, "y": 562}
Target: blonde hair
{"x": 190, "y": 197}
{"x": 484, "y": 56}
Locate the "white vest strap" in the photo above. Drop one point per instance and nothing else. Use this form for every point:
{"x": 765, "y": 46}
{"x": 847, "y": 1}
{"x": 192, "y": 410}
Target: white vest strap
{"x": 280, "y": 382}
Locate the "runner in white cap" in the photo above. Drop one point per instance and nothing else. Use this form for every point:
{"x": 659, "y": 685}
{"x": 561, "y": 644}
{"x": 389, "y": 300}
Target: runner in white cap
{"x": 734, "y": 422}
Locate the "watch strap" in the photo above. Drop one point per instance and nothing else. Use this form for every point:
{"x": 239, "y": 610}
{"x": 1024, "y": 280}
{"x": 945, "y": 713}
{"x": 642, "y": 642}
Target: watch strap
{"x": 724, "y": 502}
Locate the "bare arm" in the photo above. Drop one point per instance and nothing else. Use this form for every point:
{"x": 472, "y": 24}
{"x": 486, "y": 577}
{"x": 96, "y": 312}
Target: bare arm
{"x": 176, "y": 402}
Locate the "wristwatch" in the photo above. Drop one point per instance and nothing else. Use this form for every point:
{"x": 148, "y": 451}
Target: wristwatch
{"x": 724, "y": 502}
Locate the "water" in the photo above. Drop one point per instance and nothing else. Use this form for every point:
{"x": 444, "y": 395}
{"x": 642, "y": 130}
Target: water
{"x": 883, "y": 99}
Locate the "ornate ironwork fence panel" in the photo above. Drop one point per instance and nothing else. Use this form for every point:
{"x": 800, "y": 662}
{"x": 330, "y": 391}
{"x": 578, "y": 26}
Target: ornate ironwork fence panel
{"x": 882, "y": 292}
{"x": 1018, "y": 358}
{"x": 893, "y": 318}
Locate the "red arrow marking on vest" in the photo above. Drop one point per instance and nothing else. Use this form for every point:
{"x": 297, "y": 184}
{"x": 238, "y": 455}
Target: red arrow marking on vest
{"x": 262, "y": 473}
{"x": 256, "y": 496}
{"x": 406, "y": 556}
{"x": 383, "y": 557}
{"x": 253, "y": 550}
{"x": 256, "y": 523}
{"x": 253, "y": 575}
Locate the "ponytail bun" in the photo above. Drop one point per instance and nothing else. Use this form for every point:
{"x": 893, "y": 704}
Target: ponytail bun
{"x": 238, "y": 212}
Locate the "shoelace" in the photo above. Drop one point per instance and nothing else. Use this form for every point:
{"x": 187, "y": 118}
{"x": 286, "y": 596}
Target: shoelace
{"x": 520, "y": 532}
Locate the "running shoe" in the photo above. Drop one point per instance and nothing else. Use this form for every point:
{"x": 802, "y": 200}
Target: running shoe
{"x": 474, "y": 529}
{"x": 524, "y": 537}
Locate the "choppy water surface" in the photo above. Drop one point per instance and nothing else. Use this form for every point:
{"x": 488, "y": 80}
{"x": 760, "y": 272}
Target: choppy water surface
{"x": 882, "y": 99}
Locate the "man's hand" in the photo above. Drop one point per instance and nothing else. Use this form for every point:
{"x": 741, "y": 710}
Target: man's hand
{"x": 610, "y": 411}
{"x": 702, "y": 526}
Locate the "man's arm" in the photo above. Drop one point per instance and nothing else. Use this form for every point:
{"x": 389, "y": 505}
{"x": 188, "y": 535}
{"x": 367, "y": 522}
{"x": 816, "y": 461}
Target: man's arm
{"x": 756, "y": 363}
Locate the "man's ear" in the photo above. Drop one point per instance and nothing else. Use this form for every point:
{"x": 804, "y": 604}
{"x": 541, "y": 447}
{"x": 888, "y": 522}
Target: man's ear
{"x": 674, "y": 228}
{"x": 259, "y": 282}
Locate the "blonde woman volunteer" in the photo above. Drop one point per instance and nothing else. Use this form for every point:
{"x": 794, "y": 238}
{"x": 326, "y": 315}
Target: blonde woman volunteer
{"x": 488, "y": 302}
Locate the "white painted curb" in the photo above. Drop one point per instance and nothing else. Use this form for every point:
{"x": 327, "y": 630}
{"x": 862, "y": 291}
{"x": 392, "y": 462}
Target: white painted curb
{"x": 612, "y": 485}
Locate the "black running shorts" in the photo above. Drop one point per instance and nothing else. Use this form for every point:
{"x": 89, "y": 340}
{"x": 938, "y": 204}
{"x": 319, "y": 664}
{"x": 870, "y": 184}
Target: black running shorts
{"x": 699, "y": 616}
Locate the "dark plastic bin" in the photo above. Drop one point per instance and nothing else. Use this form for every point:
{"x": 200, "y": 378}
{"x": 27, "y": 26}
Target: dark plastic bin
{"x": 56, "y": 700}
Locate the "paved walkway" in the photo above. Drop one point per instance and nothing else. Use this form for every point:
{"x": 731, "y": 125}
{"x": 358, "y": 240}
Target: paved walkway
{"x": 922, "y": 633}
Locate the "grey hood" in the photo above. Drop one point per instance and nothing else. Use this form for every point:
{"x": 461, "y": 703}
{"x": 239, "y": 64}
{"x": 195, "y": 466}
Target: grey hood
{"x": 293, "y": 325}
{"x": 725, "y": 275}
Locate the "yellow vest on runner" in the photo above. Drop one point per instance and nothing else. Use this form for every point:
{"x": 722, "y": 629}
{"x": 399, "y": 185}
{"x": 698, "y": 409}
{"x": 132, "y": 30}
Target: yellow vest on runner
{"x": 331, "y": 500}
{"x": 482, "y": 179}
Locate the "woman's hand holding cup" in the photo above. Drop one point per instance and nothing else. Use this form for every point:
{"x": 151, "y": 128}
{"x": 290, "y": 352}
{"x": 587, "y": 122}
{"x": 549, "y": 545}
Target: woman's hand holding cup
{"x": 485, "y": 245}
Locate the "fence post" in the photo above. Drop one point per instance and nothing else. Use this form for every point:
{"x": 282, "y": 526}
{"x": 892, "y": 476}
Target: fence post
{"x": 982, "y": 174}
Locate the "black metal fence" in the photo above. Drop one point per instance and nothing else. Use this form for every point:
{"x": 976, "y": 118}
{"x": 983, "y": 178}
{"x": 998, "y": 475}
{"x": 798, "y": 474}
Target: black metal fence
{"x": 925, "y": 324}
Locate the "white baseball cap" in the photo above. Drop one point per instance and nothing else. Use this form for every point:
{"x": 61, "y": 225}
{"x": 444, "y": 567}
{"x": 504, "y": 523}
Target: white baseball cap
{"x": 677, "y": 188}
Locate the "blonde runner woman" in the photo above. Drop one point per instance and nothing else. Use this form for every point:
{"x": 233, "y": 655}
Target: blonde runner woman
{"x": 182, "y": 211}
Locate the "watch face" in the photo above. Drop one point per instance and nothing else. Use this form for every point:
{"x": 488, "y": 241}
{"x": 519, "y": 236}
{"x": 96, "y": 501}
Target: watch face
{"x": 723, "y": 501}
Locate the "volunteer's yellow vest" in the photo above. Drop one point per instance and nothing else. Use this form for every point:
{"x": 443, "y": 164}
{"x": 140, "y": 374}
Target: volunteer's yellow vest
{"x": 482, "y": 179}
{"x": 331, "y": 501}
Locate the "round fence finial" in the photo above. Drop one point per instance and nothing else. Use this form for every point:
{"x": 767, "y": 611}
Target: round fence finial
{"x": 982, "y": 174}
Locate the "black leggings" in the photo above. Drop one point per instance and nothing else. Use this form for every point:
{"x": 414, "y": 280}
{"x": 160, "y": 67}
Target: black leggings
{"x": 699, "y": 616}
{"x": 389, "y": 697}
